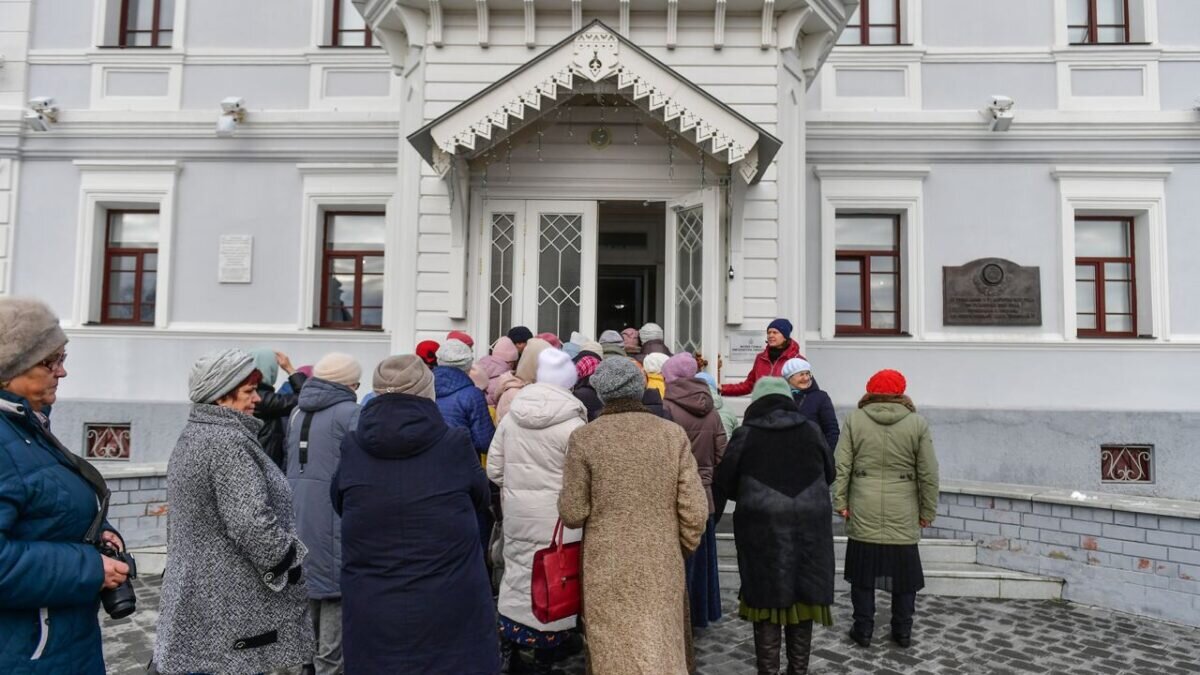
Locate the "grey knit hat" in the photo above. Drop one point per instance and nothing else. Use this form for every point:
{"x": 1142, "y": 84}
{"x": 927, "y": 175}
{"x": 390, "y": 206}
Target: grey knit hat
{"x": 611, "y": 337}
{"x": 29, "y": 332}
{"x": 217, "y": 373}
{"x": 650, "y": 331}
{"x": 618, "y": 378}
{"x": 403, "y": 374}
{"x": 455, "y": 354}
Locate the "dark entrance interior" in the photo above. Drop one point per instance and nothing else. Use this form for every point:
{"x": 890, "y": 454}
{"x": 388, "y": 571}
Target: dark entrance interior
{"x": 629, "y": 278}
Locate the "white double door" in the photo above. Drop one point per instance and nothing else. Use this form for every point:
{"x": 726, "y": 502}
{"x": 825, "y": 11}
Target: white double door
{"x": 538, "y": 268}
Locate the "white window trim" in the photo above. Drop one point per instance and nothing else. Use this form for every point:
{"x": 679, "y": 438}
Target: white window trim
{"x": 1142, "y": 57}
{"x": 318, "y": 81}
{"x": 120, "y": 184}
{"x": 170, "y": 100}
{"x": 345, "y": 186}
{"x": 905, "y": 60}
{"x": 100, "y": 20}
{"x": 1145, "y": 11}
{"x": 1135, "y": 191}
{"x": 894, "y": 189}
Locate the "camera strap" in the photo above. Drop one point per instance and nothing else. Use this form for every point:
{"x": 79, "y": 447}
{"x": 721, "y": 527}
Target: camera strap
{"x": 305, "y": 425}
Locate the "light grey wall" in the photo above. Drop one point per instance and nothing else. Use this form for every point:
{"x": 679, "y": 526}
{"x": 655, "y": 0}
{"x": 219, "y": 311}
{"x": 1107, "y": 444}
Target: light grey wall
{"x": 69, "y": 86}
{"x": 263, "y": 87}
{"x": 261, "y": 24}
{"x": 1178, "y": 22}
{"x": 45, "y": 233}
{"x": 954, "y": 86}
{"x": 256, "y": 198}
{"x": 1183, "y": 241}
{"x": 62, "y": 24}
{"x": 1179, "y": 81}
{"x": 987, "y": 23}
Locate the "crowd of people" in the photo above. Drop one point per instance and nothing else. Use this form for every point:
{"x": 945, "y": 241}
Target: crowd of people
{"x": 314, "y": 530}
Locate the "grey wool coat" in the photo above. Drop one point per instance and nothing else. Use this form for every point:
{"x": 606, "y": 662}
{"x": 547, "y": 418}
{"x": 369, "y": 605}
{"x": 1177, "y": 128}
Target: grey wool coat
{"x": 233, "y": 597}
{"x": 334, "y": 411}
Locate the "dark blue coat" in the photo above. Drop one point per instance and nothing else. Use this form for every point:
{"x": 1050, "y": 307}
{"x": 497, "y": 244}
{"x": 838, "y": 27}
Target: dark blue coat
{"x": 816, "y": 405}
{"x": 415, "y": 595}
{"x": 464, "y": 405}
{"x": 49, "y": 579}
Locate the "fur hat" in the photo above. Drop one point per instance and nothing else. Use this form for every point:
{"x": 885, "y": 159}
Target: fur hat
{"x": 455, "y": 354}
{"x": 889, "y": 382}
{"x": 403, "y": 374}
{"x": 783, "y": 326}
{"x": 217, "y": 373}
{"x": 654, "y": 362}
{"x": 794, "y": 366}
{"x": 770, "y": 386}
{"x": 555, "y": 367}
{"x": 680, "y": 367}
{"x": 29, "y": 333}
{"x": 339, "y": 368}
{"x": 651, "y": 331}
{"x": 519, "y": 334}
{"x": 617, "y": 379}
{"x": 461, "y": 337}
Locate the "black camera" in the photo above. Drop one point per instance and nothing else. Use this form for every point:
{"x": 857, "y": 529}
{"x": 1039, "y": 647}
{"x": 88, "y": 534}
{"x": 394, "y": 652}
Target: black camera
{"x": 119, "y": 602}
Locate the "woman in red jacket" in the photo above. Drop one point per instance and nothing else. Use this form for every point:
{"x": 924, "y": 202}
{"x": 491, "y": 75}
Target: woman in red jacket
{"x": 780, "y": 347}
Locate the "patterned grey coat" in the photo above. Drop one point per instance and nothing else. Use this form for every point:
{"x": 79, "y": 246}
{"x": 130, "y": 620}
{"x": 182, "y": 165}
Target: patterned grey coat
{"x": 233, "y": 600}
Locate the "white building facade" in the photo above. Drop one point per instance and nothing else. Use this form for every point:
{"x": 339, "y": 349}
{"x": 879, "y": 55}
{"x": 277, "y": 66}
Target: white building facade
{"x": 581, "y": 165}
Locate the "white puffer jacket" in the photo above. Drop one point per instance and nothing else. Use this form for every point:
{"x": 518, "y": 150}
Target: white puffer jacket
{"x": 526, "y": 460}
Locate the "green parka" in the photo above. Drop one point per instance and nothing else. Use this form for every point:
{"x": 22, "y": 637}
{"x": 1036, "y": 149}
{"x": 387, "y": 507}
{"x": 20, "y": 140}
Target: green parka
{"x": 887, "y": 473}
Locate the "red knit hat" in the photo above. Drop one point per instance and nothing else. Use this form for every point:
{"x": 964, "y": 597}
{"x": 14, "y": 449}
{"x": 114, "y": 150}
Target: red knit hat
{"x": 889, "y": 382}
{"x": 427, "y": 350}
{"x": 461, "y": 337}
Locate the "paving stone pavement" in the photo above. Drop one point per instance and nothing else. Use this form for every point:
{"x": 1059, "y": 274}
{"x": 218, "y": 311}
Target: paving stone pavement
{"x": 951, "y": 635}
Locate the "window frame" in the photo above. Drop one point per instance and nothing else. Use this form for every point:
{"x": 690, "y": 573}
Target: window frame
{"x": 864, "y": 26}
{"x": 1100, "y": 291}
{"x": 336, "y": 30}
{"x": 863, "y": 257}
{"x": 155, "y": 30}
{"x": 140, "y": 253}
{"x": 1093, "y": 26}
{"x": 358, "y": 255}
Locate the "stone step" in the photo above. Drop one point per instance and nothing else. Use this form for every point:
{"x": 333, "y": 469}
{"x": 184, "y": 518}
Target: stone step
{"x": 152, "y": 560}
{"x": 932, "y": 550}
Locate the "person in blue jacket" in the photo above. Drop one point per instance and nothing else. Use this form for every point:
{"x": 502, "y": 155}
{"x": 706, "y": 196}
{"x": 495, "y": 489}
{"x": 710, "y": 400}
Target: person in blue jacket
{"x": 50, "y": 579}
{"x": 814, "y": 403}
{"x": 462, "y": 403}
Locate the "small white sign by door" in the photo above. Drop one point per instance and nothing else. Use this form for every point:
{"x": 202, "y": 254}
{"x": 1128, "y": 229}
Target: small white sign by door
{"x": 744, "y": 345}
{"x": 236, "y": 253}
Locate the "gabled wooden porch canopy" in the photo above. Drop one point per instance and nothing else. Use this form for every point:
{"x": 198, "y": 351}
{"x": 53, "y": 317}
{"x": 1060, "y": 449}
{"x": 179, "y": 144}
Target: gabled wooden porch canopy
{"x": 595, "y": 54}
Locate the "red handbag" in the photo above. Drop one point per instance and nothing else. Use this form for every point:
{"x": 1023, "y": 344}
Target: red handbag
{"x": 556, "y": 579}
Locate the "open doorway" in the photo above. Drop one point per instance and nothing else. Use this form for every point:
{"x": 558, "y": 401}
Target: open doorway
{"x": 631, "y": 259}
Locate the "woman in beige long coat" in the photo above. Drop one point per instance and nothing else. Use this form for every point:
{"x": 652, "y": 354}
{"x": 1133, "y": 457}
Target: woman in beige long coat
{"x": 631, "y": 483}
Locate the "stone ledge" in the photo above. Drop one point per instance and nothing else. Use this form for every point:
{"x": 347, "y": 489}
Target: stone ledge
{"x": 112, "y": 470}
{"x": 1177, "y": 508}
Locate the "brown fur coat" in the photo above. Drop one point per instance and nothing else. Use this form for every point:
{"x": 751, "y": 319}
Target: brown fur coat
{"x": 631, "y": 483}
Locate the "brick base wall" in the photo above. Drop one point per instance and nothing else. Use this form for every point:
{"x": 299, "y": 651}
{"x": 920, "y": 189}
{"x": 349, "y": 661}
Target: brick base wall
{"x": 138, "y": 509}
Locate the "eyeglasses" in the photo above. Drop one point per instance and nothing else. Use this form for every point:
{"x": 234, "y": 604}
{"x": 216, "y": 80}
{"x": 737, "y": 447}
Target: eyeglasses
{"x": 54, "y": 362}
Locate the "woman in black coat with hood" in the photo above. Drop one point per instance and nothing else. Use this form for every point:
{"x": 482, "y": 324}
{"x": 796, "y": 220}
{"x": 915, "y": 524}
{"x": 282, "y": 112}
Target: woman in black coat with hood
{"x": 778, "y": 470}
{"x": 415, "y": 595}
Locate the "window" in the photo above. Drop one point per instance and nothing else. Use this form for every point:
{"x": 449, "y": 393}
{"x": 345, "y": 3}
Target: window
{"x": 1105, "y": 277}
{"x": 875, "y": 22}
{"x": 352, "y": 270}
{"x": 349, "y": 29}
{"x": 130, "y": 268}
{"x": 1098, "y": 22}
{"x": 867, "y": 274}
{"x": 146, "y": 23}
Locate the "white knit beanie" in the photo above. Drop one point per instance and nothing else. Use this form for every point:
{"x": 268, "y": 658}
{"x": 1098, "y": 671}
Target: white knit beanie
{"x": 650, "y": 331}
{"x": 654, "y": 362}
{"x": 556, "y": 367}
{"x": 340, "y": 368}
{"x": 794, "y": 366}
{"x": 455, "y": 354}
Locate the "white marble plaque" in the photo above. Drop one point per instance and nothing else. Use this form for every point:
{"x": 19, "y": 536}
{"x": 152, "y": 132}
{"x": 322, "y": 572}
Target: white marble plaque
{"x": 236, "y": 253}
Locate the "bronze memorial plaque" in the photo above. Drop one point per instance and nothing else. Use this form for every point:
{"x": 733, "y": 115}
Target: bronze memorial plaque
{"x": 991, "y": 292}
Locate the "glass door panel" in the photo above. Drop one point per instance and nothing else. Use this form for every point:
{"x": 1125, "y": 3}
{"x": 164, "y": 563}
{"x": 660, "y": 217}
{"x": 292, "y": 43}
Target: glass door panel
{"x": 692, "y": 266}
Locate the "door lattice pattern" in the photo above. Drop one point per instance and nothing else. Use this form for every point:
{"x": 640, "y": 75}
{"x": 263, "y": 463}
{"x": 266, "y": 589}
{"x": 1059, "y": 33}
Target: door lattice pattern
{"x": 689, "y": 284}
{"x": 503, "y": 247}
{"x": 560, "y": 259}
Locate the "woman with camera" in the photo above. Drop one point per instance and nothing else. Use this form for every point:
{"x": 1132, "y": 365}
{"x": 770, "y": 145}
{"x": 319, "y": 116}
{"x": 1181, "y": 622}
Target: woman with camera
{"x": 233, "y": 600}
{"x": 51, "y": 576}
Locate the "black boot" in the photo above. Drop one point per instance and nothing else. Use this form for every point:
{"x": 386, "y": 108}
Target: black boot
{"x": 510, "y": 658}
{"x": 543, "y": 662}
{"x": 766, "y": 647}
{"x": 799, "y": 647}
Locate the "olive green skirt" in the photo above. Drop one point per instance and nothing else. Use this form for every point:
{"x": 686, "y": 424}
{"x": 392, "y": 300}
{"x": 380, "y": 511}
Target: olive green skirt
{"x": 787, "y": 616}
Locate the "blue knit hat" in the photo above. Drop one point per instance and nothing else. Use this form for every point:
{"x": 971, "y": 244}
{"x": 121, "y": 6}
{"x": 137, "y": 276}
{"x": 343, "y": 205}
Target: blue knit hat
{"x": 783, "y": 326}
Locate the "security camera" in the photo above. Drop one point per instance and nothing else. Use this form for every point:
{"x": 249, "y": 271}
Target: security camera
{"x": 42, "y": 104}
{"x": 42, "y": 113}
{"x": 37, "y": 121}
{"x": 233, "y": 113}
{"x": 233, "y": 104}
{"x": 999, "y": 112}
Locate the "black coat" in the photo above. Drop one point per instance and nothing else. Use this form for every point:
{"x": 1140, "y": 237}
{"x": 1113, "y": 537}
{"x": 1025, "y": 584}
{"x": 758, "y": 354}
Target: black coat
{"x": 415, "y": 595}
{"x": 778, "y": 470}
{"x": 273, "y": 410}
{"x": 654, "y": 403}
{"x": 816, "y": 405}
{"x": 586, "y": 393}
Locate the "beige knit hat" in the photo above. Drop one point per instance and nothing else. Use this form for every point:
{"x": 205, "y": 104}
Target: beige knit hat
{"x": 29, "y": 333}
{"x": 403, "y": 374}
{"x": 339, "y": 368}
